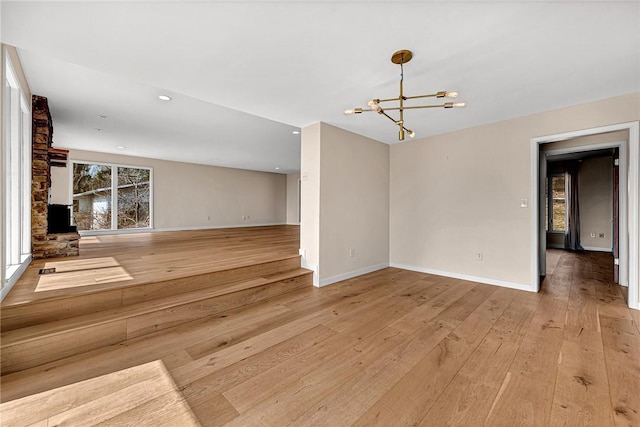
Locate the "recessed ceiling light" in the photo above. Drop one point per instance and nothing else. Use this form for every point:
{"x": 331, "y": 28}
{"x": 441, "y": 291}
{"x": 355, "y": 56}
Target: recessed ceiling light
{"x": 296, "y": 132}
{"x": 164, "y": 97}
{"x": 277, "y": 169}
{"x": 102, "y": 116}
{"x": 121, "y": 147}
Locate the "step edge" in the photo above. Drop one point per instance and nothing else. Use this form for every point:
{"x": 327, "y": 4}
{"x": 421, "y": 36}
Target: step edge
{"x": 124, "y": 312}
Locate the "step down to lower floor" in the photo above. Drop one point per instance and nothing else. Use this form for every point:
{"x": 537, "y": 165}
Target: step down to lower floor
{"x": 35, "y": 345}
{"x": 141, "y": 395}
{"x": 53, "y": 306}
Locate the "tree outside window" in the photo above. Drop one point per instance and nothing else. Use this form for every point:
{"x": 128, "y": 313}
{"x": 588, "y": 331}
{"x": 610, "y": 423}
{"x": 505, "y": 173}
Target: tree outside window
{"x": 101, "y": 202}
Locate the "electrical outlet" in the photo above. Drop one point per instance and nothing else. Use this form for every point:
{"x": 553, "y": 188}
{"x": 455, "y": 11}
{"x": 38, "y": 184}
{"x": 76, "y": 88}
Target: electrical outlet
{"x": 479, "y": 256}
{"x": 601, "y": 235}
{"x": 524, "y": 203}
{"x": 593, "y": 235}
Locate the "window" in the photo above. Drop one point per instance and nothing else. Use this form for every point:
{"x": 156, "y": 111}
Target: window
{"x": 16, "y": 157}
{"x": 111, "y": 197}
{"x": 556, "y": 203}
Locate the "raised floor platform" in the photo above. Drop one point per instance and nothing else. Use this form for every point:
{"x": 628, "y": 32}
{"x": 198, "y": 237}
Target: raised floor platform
{"x": 110, "y": 262}
{"x": 126, "y": 286}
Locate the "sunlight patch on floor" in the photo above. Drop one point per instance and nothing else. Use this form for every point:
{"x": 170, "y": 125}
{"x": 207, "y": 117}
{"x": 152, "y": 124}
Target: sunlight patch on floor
{"x": 90, "y": 240}
{"x": 82, "y": 272}
{"x": 141, "y": 395}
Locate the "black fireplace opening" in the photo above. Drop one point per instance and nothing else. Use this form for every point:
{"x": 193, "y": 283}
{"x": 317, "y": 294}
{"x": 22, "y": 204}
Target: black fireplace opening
{"x": 59, "y": 220}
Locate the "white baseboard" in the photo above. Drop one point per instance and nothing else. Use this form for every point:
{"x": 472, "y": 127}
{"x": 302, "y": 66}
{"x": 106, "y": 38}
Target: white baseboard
{"x": 485, "y": 280}
{"x": 155, "y": 230}
{"x": 351, "y": 274}
{"x": 595, "y": 249}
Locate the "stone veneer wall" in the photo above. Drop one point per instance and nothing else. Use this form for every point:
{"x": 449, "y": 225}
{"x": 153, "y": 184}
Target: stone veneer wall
{"x": 44, "y": 245}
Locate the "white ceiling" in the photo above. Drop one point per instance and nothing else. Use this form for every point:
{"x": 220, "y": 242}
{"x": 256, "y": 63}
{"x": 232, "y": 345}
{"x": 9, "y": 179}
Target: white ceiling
{"x": 245, "y": 74}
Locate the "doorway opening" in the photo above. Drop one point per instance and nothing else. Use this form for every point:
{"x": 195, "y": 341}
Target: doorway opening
{"x": 548, "y": 154}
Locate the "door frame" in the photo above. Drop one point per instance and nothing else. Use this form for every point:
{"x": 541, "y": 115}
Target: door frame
{"x": 629, "y": 218}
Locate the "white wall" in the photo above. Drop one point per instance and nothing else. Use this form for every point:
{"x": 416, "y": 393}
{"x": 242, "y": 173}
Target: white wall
{"x": 293, "y": 198}
{"x": 196, "y": 196}
{"x": 310, "y": 198}
{"x": 595, "y": 191}
{"x": 345, "y": 186}
{"x": 459, "y": 194}
{"x": 354, "y": 208}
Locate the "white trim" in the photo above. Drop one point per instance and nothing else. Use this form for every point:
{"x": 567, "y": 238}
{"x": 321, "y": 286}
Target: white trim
{"x": 634, "y": 216}
{"x": 14, "y": 276}
{"x": 313, "y": 267}
{"x": 629, "y": 216}
{"x": 160, "y": 230}
{"x": 597, "y": 249}
{"x": 484, "y": 280}
{"x": 351, "y": 274}
{"x": 15, "y": 190}
{"x": 581, "y": 148}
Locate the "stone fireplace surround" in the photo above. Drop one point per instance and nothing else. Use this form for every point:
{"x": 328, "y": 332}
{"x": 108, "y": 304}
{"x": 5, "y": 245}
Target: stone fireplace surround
{"x": 43, "y": 243}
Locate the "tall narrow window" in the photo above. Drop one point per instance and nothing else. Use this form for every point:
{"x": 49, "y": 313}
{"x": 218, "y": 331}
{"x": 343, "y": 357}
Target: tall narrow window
{"x": 92, "y": 196}
{"x": 133, "y": 198}
{"x": 557, "y": 203}
{"x": 110, "y": 197}
{"x": 16, "y": 155}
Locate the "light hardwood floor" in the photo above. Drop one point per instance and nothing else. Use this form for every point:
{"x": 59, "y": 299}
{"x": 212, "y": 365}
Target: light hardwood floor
{"x": 109, "y": 262}
{"x": 395, "y": 348}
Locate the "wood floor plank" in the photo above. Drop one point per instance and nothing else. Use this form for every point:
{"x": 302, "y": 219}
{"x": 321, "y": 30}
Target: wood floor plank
{"x": 212, "y": 409}
{"x": 393, "y": 347}
{"x": 582, "y": 386}
{"x": 635, "y": 314}
{"x": 528, "y": 387}
{"x": 468, "y": 398}
{"x": 209, "y": 364}
{"x": 166, "y": 410}
{"x": 249, "y": 367}
{"x": 621, "y": 343}
{"x": 285, "y": 405}
{"x": 142, "y": 395}
{"x": 251, "y": 392}
{"x": 355, "y": 396}
{"x": 408, "y": 401}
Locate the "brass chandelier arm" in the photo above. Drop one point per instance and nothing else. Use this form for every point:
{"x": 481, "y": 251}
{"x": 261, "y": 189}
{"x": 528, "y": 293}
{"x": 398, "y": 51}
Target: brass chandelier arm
{"x": 401, "y": 57}
{"x": 415, "y": 107}
{"x": 388, "y": 116}
{"x": 431, "y": 95}
{"x": 400, "y": 123}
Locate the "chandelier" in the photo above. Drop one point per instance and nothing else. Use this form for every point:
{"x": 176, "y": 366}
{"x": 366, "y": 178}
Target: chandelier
{"x": 401, "y": 57}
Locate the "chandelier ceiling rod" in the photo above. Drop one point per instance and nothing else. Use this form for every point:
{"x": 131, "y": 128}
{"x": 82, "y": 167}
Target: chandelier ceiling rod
{"x": 401, "y": 57}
